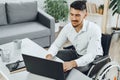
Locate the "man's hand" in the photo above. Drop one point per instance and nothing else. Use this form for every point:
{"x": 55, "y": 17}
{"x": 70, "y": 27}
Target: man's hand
{"x": 69, "y": 65}
{"x": 49, "y": 56}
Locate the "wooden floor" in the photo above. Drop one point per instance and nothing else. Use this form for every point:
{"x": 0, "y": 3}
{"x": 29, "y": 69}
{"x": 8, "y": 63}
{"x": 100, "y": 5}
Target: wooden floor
{"x": 115, "y": 48}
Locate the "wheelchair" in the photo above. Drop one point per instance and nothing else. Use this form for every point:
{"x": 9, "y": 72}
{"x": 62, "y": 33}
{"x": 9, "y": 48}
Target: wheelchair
{"x": 103, "y": 68}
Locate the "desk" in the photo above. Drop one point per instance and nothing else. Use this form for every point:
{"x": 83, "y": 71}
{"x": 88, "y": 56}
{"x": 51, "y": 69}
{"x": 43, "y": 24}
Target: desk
{"x": 31, "y": 48}
{"x": 28, "y": 47}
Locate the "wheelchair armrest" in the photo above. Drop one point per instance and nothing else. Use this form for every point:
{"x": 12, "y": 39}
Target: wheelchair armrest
{"x": 101, "y": 59}
{"x": 98, "y": 63}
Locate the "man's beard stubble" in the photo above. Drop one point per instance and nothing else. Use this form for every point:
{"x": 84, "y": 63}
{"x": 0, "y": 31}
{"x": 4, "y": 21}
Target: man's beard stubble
{"x": 75, "y": 26}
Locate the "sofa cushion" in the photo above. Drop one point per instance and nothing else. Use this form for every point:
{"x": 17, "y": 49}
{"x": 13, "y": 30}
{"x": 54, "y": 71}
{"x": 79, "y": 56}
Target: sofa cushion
{"x": 21, "y": 11}
{"x": 32, "y": 30}
{"x": 3, "y": 19}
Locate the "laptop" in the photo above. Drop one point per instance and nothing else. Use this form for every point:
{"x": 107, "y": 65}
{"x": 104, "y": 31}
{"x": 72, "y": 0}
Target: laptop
{"x": 44, "y": 67}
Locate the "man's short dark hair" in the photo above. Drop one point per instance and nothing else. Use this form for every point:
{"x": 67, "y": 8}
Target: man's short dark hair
{"x": 79, "y": 5}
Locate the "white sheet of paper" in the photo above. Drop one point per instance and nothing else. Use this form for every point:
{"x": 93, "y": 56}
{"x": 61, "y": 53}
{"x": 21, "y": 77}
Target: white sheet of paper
{"x": 57, "y": 59}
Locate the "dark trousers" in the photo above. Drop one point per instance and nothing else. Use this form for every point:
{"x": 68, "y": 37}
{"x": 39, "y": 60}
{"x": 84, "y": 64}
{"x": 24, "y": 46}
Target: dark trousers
{"x": 67, "y": 55}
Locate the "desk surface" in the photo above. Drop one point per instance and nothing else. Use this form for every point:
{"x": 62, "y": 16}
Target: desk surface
{"x": 31, "y": 48}
{"x": 27, "y": 47}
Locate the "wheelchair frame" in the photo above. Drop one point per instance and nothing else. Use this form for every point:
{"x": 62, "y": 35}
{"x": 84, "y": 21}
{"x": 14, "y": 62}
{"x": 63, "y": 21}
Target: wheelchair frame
{"x": 101, "y": 75}
{"x": 106, "y": 69}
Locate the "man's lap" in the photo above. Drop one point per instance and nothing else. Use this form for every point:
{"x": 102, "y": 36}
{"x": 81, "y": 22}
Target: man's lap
{"x": 68, "y": 55}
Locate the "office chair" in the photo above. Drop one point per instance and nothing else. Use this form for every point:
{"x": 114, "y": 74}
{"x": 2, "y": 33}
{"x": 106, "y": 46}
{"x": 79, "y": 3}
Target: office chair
{"x": 102, "y": 64}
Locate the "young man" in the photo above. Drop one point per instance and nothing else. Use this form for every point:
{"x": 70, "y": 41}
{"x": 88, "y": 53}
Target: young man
{"x": 85, "y": 36}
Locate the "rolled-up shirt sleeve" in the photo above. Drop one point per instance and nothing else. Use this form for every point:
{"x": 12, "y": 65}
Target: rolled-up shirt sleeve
{"x": 94, "y": 48}
{"x": 60, "y": 40}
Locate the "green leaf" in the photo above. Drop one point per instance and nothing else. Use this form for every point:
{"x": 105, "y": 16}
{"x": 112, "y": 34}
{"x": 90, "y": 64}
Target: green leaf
{"x": 118, "y": 10}
{"x": 57, "y": 8}
{"x": 114, "y": 12}
{"x": 112, "y": 3}
{"x": 118, "y": 7}
{"x": 114, "y": 7}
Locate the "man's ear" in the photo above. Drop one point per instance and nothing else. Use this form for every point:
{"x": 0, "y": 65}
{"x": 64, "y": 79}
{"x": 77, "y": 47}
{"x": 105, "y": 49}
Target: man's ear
{"x": 85, "y": 15}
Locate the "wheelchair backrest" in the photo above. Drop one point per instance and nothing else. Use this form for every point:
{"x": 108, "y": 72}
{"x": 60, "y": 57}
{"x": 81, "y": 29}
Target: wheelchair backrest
{"x": 105, "y": 41}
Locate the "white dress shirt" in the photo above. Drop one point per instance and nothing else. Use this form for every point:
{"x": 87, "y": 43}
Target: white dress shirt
{"x": 87, "y": 41}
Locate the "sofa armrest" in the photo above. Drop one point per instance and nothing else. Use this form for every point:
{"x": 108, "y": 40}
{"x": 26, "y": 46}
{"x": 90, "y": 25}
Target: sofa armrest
{"x": 45, "y": 19}
{"x": 48, "y": 21}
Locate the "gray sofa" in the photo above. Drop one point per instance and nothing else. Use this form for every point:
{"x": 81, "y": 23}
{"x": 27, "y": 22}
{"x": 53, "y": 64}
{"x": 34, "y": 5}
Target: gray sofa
{"x": 23, "y": 20}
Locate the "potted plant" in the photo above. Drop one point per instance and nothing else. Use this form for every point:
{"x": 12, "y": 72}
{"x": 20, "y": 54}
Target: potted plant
{"x": 115, "y": 6}
{"x": 58, "y": 9}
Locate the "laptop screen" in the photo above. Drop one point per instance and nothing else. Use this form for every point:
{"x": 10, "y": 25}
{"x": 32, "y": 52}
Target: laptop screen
{"x": 44, "y": 67}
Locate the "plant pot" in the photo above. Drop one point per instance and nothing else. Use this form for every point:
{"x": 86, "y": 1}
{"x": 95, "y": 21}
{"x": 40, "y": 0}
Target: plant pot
{"x": 116, "y": 35}
{"x": 115, "y": 29}
{"x": 57, "y": 25}
{"x": 63, "y": 23}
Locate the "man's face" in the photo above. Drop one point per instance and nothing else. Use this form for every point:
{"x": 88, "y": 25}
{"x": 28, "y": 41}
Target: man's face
{"x": 77, "y": 16}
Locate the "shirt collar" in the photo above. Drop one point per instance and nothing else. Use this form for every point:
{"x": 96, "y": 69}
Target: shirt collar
{"x": 84, "y": 28}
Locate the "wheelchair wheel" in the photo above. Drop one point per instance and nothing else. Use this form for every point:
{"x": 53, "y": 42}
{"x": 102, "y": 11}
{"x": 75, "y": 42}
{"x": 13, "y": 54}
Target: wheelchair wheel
{"x": 111, "y": 71}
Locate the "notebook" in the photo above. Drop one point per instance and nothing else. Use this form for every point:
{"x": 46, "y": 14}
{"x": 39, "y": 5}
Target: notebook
{"x": 16, "y": 66}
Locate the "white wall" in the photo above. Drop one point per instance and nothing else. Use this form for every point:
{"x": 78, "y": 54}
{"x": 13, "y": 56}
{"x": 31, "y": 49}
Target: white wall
{"x": 97, "y": 2}
{"x": 40, "y": 2}
{"x": 111, "y": 19}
